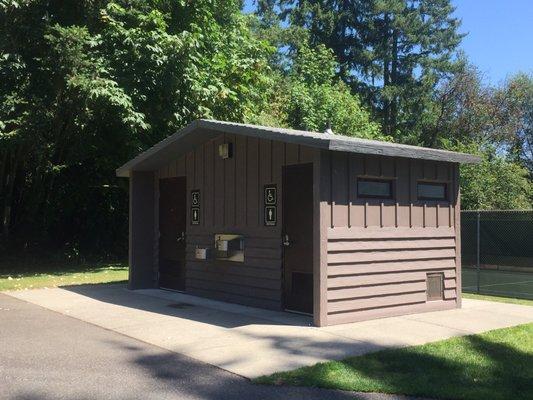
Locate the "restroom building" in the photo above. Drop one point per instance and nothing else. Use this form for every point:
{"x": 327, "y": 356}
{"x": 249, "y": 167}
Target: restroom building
{"x": 340, "y": 228}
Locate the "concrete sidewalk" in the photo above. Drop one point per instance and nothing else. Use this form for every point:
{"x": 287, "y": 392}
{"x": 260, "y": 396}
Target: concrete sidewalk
{"x": 252, "y": 342}
{"x": 47, "y": 355}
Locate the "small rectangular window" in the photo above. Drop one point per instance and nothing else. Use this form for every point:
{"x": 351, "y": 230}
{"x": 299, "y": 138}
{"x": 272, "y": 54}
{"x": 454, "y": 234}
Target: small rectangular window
{"x": 374, "y": 188}
{"x": 435, "y": 286}
{"x": 432, "y": 191}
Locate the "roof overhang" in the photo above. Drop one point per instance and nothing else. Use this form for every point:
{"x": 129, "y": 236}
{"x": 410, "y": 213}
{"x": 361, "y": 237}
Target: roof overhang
{"x": 200, "y": 131}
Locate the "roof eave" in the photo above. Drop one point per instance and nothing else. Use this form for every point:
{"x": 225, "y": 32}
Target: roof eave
{"x": 398, "y": 150}
{"x": 124, "y": 170}
{"x": 327, "y": 142}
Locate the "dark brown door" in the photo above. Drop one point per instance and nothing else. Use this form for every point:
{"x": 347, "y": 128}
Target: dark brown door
{"x": 172, "y": 226}
{"x": 298, "y": 238}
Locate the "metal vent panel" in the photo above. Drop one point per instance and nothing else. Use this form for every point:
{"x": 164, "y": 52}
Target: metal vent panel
{"x": 435, "y": 286}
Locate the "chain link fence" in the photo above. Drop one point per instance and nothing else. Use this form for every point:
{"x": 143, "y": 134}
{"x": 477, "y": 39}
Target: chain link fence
{"x": 497, "y": 252}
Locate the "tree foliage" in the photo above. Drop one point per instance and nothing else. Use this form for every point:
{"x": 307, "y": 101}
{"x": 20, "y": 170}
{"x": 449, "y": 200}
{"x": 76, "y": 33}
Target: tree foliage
{"x": 87, "y": 85}
{"x": 495, "y": 184}
{"x": 392, "y": 52}
{"x": 494, "y": 122}
{"x": 309, "y": 96}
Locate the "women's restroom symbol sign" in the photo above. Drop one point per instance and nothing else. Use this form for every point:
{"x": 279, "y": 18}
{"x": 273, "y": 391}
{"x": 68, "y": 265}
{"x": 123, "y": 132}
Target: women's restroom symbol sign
{"x": 270, "y": 201}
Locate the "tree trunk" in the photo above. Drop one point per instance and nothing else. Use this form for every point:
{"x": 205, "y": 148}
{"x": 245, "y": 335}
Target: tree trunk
{"x": 10, "y": 187}
{"x": 394, "y": 81}
{"x": 386, "y": 75}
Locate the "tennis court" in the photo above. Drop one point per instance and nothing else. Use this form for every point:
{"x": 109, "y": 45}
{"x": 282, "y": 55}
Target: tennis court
{"x": 501, "y": 244}
{"x": 502, "y": 283}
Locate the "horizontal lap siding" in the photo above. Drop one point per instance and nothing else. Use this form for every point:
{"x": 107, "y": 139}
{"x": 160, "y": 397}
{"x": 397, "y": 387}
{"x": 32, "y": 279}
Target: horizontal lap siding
{"x": 379, "y": 252}
{"x": 256, "y": 282}
{"x": 379, "y": 276}
{"x": 231, "y": 202}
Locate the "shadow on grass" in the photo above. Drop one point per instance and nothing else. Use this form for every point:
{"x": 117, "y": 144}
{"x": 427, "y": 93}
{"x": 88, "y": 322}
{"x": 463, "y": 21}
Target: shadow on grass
{"x": 501, "y": 372}
{"x": 496, "y": 365}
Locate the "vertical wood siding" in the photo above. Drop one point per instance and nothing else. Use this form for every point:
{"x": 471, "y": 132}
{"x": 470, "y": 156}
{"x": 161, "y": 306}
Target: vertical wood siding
{"x": 379, "y": 251}
{"x": 232, "y": 202}
{"x": 376, "y": 253}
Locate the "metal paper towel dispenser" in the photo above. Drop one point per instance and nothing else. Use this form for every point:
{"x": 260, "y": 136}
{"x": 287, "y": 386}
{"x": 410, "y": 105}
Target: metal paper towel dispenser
{"x": 229, "y": 247}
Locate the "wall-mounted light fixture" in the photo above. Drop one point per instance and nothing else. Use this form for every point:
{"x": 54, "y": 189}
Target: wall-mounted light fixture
{"x": 225, "y": 150}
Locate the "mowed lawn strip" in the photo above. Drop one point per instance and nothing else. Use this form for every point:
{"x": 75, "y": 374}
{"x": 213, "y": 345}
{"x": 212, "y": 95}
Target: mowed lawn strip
{"x": 510, "y": 300}
{"x": 57, "y": 274}
{"x": 494, "y": 365}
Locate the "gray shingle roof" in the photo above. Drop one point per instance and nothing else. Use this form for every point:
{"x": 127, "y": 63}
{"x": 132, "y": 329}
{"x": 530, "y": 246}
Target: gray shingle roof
{"x": 202, "y": 130}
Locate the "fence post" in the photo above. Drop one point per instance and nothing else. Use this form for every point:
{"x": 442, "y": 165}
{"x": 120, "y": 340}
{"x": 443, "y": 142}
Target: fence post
{"x": 478, "y": 251}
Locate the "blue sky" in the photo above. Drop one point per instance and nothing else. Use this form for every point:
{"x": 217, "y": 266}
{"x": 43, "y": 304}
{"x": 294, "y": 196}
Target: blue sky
{"x": 500, "y": 35}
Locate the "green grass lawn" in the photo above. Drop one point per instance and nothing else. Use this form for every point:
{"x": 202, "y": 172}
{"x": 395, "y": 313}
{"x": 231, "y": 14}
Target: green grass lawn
{"x": 511, "y": 300}
{"x": 493, "y": 365}
{"x": 16, "y": 275}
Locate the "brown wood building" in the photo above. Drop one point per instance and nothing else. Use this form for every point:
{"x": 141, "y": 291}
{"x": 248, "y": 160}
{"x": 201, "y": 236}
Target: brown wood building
{"x": 341, "y": 228}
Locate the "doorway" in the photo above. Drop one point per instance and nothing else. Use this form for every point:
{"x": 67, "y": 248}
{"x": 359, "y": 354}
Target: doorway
{"x": 298, "y": 238}
{"x": 172, "y": 227}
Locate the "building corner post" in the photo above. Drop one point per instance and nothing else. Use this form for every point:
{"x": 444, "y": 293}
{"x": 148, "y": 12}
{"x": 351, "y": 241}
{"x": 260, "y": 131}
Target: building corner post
{"x": 458, "y": 265}
{"x": 320, "y": 231}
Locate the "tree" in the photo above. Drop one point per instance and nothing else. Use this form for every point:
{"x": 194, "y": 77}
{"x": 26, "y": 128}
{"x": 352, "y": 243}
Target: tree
{"x": 87, "y": 85}
{"x": 308, "y": 95}
{"x": 495, "y": 184}
{"x": 392, "y": 52}
{"x": 492, "y": 122}
{"x": 516, "y": 99}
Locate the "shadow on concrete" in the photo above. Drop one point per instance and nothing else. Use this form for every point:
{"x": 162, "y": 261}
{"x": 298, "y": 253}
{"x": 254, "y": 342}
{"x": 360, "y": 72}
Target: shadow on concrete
{"x": 173, "y": 376}
{"x": 294, "y": 347}
{"x": 216, "y": 313}
{"x": 47, "y": 355}
{"x": 220, "y": 384}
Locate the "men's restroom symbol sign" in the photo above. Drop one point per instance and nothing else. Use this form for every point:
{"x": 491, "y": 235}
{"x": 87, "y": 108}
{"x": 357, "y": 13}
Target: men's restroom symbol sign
{"x": 195, "y": 214}
{"x": 270, "y": 216}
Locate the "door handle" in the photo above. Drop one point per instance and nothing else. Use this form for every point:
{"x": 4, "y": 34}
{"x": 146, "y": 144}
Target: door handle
{"x": 286, "y": 241}
{"x": 181, "y": 237}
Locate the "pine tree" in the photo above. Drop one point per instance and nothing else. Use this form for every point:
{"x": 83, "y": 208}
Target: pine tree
{"x": 393, "y": 52}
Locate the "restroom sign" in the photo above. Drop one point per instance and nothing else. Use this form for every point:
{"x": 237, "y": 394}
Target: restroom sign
{"x": 270, "y": 195}
{"x": 195, "y": 198}
{"x": 270, "y": 215}
{"x": 195, "y": 207}
{"x": 270, "y": 202}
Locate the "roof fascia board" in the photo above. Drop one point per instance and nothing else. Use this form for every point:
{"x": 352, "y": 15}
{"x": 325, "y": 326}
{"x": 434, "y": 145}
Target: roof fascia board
{"x": 395, "y": 150}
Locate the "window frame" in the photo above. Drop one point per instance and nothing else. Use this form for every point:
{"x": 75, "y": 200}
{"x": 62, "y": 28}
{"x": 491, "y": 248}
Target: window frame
{"x": 390, "y": 181}
{"x": 432, "y": 183}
